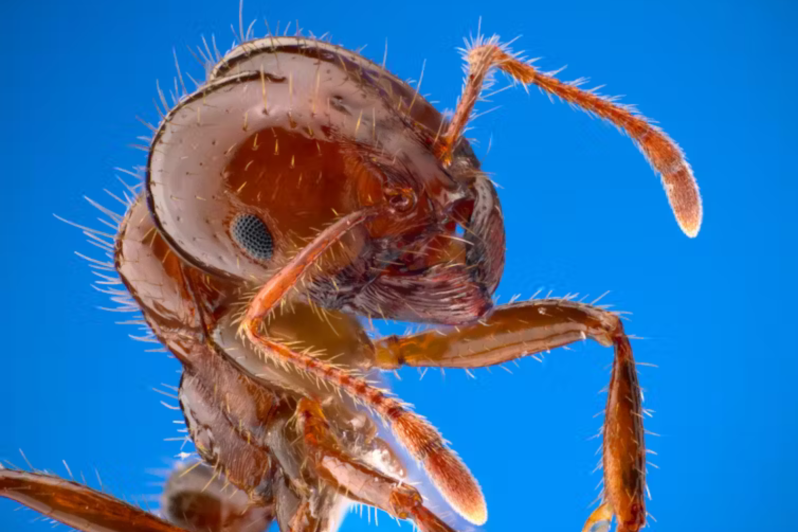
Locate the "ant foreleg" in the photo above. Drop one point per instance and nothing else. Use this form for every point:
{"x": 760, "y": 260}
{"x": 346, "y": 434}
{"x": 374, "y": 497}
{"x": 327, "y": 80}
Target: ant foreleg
{"x": 356, "y": 480}
{"x": 446, "y": 470}
{"x": 76, "y": 505}
{"x": 524, "y": 329}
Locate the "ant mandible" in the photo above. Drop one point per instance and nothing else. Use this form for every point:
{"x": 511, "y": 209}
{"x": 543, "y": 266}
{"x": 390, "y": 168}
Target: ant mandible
{"x": 299, "y": 188}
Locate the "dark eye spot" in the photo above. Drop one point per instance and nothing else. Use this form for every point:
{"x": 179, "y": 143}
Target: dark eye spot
{"x": 251, "y": 233}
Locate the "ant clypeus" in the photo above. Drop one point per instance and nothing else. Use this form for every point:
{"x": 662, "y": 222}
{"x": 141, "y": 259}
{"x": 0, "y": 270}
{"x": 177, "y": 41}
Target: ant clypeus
{"x": 299, "y": 188}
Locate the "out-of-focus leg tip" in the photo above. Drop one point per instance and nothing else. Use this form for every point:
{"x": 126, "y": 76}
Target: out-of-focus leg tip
{"x": 600, "y": 520}
{"x": 689, "y": 210}
{"x": 692, "y": 228}
{"x": 477, "y": 516}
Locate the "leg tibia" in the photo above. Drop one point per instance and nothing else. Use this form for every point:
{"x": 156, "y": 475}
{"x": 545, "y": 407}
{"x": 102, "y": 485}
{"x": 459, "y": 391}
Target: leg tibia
{"x": 624, "y": 442}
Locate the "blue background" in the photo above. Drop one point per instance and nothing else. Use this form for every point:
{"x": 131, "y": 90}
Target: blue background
{"x": 584, "y": 214}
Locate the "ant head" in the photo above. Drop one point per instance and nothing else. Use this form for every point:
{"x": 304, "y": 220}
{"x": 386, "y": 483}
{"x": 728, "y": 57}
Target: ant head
{"x": 288, "y": 135}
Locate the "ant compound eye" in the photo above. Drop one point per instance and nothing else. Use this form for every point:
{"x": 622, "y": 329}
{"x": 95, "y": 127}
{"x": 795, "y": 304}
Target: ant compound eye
{"x": 253, "y": 236}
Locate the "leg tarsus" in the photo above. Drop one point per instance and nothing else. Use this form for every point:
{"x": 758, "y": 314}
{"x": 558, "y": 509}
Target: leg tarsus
{"x": 624, "y": 442}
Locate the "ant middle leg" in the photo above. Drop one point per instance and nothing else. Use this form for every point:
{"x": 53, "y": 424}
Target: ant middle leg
{"x": 524, "y": 329}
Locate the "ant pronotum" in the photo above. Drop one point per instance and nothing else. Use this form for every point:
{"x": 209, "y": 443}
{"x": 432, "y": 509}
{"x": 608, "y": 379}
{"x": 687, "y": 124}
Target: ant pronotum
{"x": 300, "y": 188}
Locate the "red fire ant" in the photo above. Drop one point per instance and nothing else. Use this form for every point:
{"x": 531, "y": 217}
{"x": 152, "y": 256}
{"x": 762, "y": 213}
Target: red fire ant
{"x": 300, "y": 188}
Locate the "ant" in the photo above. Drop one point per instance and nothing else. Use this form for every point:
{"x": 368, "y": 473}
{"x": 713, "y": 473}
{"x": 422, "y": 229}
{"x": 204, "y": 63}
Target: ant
{"x": 303, "y": 187}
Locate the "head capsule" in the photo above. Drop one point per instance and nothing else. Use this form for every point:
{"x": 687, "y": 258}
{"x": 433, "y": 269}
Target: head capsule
{"x": 287, "y": 135}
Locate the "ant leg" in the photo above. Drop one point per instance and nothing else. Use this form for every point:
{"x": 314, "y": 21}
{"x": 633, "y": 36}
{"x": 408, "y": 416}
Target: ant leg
{"x": 523, "y": 329}
{"x": 420, "y": 438}
{"x": 663, "y": 153}
{"x": 78, "y": 506}
{"x": 356, "y": 480}
{"x": 508, "y": 332}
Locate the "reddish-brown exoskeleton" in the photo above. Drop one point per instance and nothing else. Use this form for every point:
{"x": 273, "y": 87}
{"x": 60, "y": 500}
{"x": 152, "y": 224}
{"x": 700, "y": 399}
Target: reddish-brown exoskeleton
{"x": 299, "y": 188}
